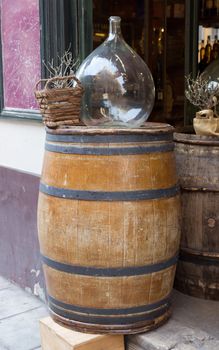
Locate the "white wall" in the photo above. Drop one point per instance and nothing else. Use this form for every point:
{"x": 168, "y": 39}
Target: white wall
{"x": 22, "y": 145}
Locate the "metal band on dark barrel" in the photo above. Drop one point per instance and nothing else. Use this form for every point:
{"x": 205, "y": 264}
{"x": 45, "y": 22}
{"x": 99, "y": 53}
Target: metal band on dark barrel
{"x": 198, "y": 259}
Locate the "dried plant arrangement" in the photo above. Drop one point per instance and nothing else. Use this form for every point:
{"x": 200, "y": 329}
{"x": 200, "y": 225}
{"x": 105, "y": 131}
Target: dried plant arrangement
{"x": 66, "y": 66}
{"x": 201, "y": 92}
{"x": 59, "y": 96}
{"x": 204, "y": 94}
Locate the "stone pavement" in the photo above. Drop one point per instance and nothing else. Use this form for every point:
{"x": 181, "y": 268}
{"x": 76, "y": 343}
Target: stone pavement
{"x": 194, "y": 324}
{"x": 19, "y": 318}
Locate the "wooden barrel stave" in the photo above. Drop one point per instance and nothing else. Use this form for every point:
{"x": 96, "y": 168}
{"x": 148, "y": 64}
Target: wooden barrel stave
{"x": 98, "y": 244}
{"x": 115, "y": 292}
{"x": 102, "y": 178}
{"x": 109, "y": 228}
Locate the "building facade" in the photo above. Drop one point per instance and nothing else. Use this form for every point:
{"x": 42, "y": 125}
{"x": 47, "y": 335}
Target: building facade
{"x": 33, "y": 31}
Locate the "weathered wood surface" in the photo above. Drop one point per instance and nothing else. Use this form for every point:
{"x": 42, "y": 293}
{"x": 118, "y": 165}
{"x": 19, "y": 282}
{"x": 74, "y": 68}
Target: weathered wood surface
{"x": 198, "y": 168}
{"x": 197, "y": 160}
{"x": 57, "y": 337}
{"x": 109, "y": 228}
{"x": 147, "y": 128}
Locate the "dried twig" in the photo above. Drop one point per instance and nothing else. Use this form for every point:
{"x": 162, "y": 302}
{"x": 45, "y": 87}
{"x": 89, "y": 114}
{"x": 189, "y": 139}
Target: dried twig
{"x": 201, "y": 92}
{"x": 67, "y": 65}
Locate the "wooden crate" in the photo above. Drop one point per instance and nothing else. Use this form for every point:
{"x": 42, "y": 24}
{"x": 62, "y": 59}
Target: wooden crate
{"x": 57, "y": 337}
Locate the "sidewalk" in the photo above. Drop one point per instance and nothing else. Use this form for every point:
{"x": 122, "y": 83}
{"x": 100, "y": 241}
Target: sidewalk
{"x": 19, "y": 318}
{"x": 194, "y": 324}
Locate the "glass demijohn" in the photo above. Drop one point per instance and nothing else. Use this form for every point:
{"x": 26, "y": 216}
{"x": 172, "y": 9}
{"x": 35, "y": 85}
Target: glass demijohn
{"x": 119, "y": 88}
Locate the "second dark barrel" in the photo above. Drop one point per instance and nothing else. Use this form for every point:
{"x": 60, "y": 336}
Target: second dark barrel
{"x": 108, "y": 220}
{"x": 198, "y": 165}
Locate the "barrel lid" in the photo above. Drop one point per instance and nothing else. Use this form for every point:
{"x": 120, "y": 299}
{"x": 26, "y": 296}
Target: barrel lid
{"x": 147, "y": 128}
{"x": 194, "y": 139}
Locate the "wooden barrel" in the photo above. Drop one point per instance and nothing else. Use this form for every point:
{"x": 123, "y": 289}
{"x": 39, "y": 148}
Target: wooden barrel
{"x": 198, "y": 169}
{"x": 108, "y": 221}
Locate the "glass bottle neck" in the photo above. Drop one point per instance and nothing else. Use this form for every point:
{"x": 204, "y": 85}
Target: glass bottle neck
{"x": 114, "y": 27}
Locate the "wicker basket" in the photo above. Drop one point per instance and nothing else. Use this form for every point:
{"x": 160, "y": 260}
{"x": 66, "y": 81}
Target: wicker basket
{"x": 59, "y": 106}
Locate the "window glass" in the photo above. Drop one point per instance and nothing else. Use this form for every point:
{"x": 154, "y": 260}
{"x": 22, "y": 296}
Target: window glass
{"x": 21, "y": 52}
{"x": 132, "y": 15}
{"x": 156, "y": 31}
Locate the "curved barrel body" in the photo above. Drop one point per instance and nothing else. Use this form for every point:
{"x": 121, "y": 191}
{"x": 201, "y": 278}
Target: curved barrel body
{"x": 198, "y": 165}
{"x": 108, "y": 220}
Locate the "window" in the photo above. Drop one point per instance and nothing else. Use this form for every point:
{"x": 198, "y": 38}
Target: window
{"x": 32, "y": 31}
